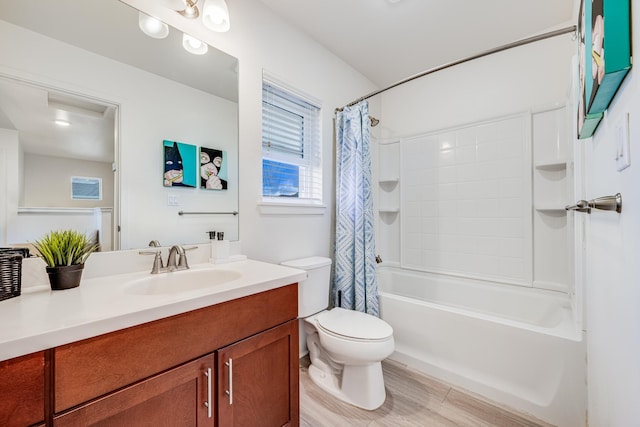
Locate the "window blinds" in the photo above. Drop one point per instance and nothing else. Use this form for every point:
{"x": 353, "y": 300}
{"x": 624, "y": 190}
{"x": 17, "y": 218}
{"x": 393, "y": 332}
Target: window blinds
{"x": 291, "y": 145}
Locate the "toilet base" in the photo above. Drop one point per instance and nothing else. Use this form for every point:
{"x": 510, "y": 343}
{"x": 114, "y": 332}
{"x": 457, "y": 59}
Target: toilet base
{"x": 361, "y": 386}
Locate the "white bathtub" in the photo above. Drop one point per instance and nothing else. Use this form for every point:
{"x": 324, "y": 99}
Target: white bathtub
{"x": 517, "y": 346}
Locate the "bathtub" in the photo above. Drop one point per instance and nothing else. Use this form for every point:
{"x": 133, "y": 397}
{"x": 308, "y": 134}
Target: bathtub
{"x": 517, "y": 346}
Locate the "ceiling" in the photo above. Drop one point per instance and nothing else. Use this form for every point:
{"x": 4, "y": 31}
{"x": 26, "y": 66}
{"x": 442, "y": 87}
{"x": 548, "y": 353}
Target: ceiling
{"x": 31, "y": 110}
{"x": 390, "y": 40}
{"x": 385, "y": 40}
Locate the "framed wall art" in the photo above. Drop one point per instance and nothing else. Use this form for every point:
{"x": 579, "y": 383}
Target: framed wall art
{"x": 213, "y": 169}
{"x": 604, "y": 30}
{"x": 180, "y": 169}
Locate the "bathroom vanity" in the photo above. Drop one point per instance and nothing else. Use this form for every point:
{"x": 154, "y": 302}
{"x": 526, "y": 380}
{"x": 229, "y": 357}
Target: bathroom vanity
{"x": 230, "y": 363}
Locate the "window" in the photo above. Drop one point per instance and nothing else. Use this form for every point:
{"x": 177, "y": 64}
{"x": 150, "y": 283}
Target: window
{"x": 291, "y": 147}
{"x": 84, "y": 188}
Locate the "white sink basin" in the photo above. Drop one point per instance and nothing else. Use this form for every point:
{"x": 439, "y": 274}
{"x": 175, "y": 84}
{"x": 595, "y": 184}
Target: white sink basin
{"x": 180, "y": 281}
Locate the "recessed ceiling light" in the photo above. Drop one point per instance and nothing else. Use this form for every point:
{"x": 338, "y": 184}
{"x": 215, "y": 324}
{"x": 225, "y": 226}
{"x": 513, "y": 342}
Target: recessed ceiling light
{"x": 61, "y": 122}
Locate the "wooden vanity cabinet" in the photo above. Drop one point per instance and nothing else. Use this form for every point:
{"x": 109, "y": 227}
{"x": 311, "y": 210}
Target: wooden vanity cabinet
{"x": 155, "y": 373}
{"x": 22, "y": 391}
{"x": 258, "y": 379}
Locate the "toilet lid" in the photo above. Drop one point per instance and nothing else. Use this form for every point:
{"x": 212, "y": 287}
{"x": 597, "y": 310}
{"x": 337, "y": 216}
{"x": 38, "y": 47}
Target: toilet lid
{"x": 354, "y": 324}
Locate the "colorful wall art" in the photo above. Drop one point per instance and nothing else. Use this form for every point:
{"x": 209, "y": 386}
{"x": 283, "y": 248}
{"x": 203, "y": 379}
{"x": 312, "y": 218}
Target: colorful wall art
{"x": 180, "y": 168}
{"x": 604, "y": 29}
{"x": 213, "y": 169}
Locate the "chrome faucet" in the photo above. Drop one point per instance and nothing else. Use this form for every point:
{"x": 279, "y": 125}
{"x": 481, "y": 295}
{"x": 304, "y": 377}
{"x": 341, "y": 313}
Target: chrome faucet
{"x": 176, "y": 251}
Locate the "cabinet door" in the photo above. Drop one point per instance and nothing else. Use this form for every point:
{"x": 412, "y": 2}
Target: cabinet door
{"x": 22, "y": 390}
{"x": 258, "y": 380}
{"x": 182, "y": 396}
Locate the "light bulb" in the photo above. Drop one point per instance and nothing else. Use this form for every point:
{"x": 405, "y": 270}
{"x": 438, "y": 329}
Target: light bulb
{"x": 217, "y": 18}
{"x": 193, "y": 45}
{"x": 190, "y": 12}
{"x": 215, "y": 15}
{"x": 152, "y": 27}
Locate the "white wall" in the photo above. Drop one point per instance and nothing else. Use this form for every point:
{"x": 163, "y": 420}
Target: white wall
{"x": 47, "y": 181}
{"x": 612, "y": 283}
{"x": 151, "y": 109}
{"x": 260, "y": 40}
{"x": 9, "y": 155}
{"x": 513, "y": 81}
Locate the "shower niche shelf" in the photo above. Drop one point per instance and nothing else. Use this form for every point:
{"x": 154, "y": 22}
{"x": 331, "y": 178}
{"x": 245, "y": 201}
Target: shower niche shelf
{"x": 552, "y": 186}
{"x": 551, "y": 165}
{"x": 388, "y": 201}
{"x": 388, "y": 185}
{"x": 388, "y": 180}
{"x": 551, "y": 209}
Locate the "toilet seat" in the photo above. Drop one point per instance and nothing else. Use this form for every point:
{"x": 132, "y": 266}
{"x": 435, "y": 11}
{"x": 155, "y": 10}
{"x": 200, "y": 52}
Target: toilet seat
{"x": 353, "y": 325}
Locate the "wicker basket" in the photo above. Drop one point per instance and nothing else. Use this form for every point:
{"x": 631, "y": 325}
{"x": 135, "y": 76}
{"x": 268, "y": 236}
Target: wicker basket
{"x": 22, "y": 251}
{"x": 10, "y": 275}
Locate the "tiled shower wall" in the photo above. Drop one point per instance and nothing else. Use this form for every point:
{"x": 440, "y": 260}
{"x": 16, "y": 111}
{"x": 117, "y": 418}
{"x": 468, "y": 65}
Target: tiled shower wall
{"x": 465, "y": 201}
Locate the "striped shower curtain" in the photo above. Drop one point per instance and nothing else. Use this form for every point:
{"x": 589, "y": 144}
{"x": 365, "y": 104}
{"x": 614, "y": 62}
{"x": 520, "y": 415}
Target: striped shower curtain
{"x": 354, "y": 285}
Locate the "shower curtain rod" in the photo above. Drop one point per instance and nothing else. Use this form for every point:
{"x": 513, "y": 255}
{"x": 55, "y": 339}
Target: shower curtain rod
{"x": 532, "y": 39}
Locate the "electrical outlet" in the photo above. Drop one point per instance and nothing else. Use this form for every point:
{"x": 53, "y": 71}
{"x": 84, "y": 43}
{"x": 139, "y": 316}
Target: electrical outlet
{"x": 173, "y": 200}
{"x": 621, "y": 131}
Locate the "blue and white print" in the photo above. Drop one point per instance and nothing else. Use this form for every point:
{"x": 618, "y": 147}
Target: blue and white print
{"x": 354, "y": 286}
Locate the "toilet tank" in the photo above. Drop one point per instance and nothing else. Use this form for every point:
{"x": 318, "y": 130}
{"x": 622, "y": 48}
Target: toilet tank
{"x": 313, "y": 292}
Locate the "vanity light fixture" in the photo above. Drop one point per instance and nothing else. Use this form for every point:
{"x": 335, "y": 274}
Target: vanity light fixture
{"x": 215, "y": 13}
{"x": 152, "y": 27}
{"x": 215, "y": 16}
{"x": 193, "y": 45}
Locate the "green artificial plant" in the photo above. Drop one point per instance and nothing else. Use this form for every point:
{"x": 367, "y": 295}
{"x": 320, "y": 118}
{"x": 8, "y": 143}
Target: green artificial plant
{"x": 65, "y": 247}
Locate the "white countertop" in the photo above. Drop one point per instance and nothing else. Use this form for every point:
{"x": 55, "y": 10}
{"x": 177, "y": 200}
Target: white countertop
{"x": 40, "y": 318}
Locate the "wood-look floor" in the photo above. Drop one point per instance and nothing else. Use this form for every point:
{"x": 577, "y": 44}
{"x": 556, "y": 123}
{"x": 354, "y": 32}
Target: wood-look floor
{"x": 412, "y": 400}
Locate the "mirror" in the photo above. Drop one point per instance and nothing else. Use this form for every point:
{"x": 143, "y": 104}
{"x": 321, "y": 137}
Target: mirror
{"x": 125, "y": 93}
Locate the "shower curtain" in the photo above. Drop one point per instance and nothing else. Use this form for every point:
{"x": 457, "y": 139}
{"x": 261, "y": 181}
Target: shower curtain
{"x": 354, "y": 285}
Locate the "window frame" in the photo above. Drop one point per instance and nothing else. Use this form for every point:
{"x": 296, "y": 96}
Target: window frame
{"x": 86, "y": 178}
{"x": 296, "y": 205}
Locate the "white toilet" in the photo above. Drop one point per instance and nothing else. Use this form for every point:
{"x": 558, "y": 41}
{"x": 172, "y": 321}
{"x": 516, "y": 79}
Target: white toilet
{"x": 345, "y": 346}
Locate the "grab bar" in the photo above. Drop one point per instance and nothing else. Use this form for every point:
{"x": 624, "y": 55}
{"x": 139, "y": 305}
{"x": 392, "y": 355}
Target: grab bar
{"x": 234, "y": 213}
{"x": 606, "y": 203}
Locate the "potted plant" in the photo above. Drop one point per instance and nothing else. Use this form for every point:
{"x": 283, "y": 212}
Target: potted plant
{"x": 65, "y": 252}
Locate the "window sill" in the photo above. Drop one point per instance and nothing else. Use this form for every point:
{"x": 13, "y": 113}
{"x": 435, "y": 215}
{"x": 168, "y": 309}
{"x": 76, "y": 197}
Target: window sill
{"x": 279, "y": 208}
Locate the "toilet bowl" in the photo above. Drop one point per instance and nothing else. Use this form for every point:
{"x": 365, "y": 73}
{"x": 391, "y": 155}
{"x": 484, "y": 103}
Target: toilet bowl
{"x": 346, "y": 347}
{"x": 346, "y": 355}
